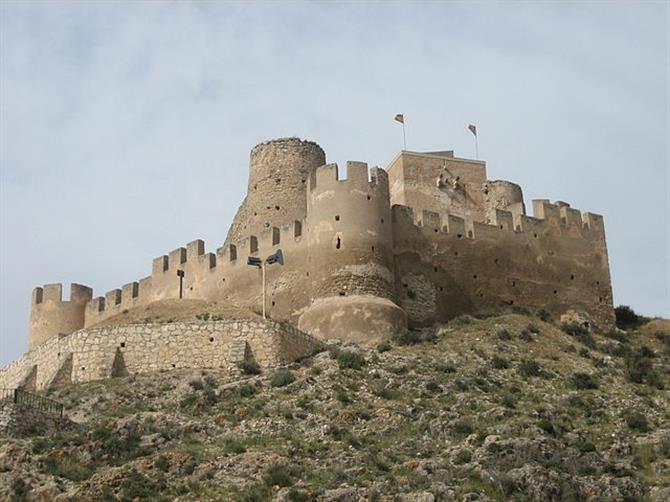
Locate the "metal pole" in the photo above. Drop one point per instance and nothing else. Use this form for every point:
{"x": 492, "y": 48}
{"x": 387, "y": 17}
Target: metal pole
{"x": 476, "y": 147}
{"x": 404, "y": 138}
{"x": 263, "y": 269}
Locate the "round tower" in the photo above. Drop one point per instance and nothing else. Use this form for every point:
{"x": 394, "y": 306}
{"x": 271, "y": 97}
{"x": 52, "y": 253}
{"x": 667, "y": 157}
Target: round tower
{"x": 350, "y": 257}
{"x": 279, "y": 170}
{"x": 502, "y": 194}
{"x": 50, "y": 315}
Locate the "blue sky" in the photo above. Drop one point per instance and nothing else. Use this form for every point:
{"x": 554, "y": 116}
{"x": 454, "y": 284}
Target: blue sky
{"x": 125, "y": 128}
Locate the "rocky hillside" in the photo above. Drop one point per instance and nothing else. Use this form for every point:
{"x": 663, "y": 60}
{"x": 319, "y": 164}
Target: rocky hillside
{"x": 500, "y": 408}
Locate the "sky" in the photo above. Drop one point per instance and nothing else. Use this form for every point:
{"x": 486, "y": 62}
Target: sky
{"x": 125, "y": 128}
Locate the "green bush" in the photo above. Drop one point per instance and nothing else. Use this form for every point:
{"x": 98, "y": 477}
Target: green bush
{"x": 529, "y": 368}
{"x": 349, "y": 359}
{"x": 533, "y": 328}
{"x": 278, "y": 475}
{"x": 463, "y": 426}
{"x": 20, "y": 489}
{"x": 543, "y": 315}
{"x": 499, "y": 363}
{"x": 412, "y": 337}
{"x": 387, "y": 392}
{"x": 433, "y": 386}
{"x": 626, "y": 318}
{"x": 640, "y": 369}
{"x": 233, "y": 446}
{"x": 384, "y": 346}
{"x": 463, "y": 457}
{"x": 246, "y": 390}
{"x": 573, "y": 328}
{"x": 139, "y": 487}
{"x": 162, "y": 463}
{"x": 615, "y": 335}
{"x": 503, "y": 334}
{"x": 250, "y": 367}
{"x": 68, "y": 467}
{"x": 637, "y": 421}
{"x": 525, "y": 336}
{"x": 583, "y": 381}
{"x": 446, "y": 367}
{"x": 281, "y": 378}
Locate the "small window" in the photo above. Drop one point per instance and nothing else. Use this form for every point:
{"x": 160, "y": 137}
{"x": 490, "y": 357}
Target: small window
{"x": 211, "y": 339}
{"x": 373, "y": 249}
{"x": 338, "y": 243}
{"x": 369, "y": 197}
{"x": 123, "y": 344}
{"x": 572, "y": 277}
{"x": 337, "y": 217}
{"x": 382, "y": 221}
{"x": 273, "y": 303}
{"x": 342, "y": 293}
{"x": 460, "y": 236}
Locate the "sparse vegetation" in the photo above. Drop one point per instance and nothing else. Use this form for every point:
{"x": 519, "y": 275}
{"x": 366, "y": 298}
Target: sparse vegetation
{"x": 471, "y": 412}
{"x": 282, "y": 378}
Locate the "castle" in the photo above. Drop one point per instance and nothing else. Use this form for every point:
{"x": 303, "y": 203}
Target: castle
{"x": 367, "y": 255}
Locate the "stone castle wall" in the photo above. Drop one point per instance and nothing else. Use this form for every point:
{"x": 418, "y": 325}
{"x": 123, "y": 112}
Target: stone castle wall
{"x": 358, "y": 262}
{"x": 555, "y": 261}
{"x": 104, "y": 352}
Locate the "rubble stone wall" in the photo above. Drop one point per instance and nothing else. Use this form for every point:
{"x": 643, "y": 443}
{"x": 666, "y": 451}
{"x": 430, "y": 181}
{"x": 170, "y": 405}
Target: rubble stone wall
{"x": 112, "y": 351}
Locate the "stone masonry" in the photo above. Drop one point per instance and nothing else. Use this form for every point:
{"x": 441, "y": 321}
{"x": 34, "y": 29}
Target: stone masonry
{"x": 366, "y": 256}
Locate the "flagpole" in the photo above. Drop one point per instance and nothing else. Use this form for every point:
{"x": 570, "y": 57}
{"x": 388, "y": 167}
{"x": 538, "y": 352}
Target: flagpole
{"x": 404, "y": 138}
{"x": 476, "y": 147}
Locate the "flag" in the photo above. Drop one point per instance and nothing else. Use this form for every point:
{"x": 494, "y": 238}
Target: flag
{"x": 400, "y": 118}
{"x": 473, "y": 129}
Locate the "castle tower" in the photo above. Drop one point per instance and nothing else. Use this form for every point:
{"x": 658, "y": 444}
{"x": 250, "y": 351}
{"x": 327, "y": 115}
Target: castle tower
{"x": 504, "y": 195}
{"x": 350, "y": 257}
{"x": 50, "y": 315}
{"x": 277, "y": 193}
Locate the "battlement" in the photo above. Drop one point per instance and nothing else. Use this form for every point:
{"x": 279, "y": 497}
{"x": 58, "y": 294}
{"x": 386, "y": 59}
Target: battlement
{"x": 290, "y": 141}
{"x": 51, "y": 315}
{"x": 359, "y": 178}
{"x": 557, "y": 219}
{"x": 54, "y": 293}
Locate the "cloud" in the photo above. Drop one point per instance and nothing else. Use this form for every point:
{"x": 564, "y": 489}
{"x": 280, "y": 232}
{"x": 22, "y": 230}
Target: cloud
{"x": 125, "y": 130}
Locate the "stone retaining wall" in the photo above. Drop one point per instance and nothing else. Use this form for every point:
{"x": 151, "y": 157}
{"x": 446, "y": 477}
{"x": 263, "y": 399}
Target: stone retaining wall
{"x": 109, "y": 351}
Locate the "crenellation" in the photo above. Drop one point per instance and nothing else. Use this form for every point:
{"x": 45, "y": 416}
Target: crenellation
{"x": 52, "y": 292}
{"x": 504, "y": 220}
{"x": 353, "y": 247}
{"x": 194, "y": 249}
{"x": 176, "y": 258}
{"x": 129, "y": 292}
{"x": 113, "y": 298}
{"x": 159, "y": 265}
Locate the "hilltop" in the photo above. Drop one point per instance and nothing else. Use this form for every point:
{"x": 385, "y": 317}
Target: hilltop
{"x": 507, "y": 407}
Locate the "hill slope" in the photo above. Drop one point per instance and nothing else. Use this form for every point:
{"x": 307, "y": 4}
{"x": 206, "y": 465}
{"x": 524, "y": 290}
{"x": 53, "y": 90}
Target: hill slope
{"x": 502, "y": 408}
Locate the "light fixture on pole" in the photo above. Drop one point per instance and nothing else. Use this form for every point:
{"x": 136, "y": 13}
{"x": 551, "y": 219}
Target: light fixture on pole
{"x": 255, "y": 261}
